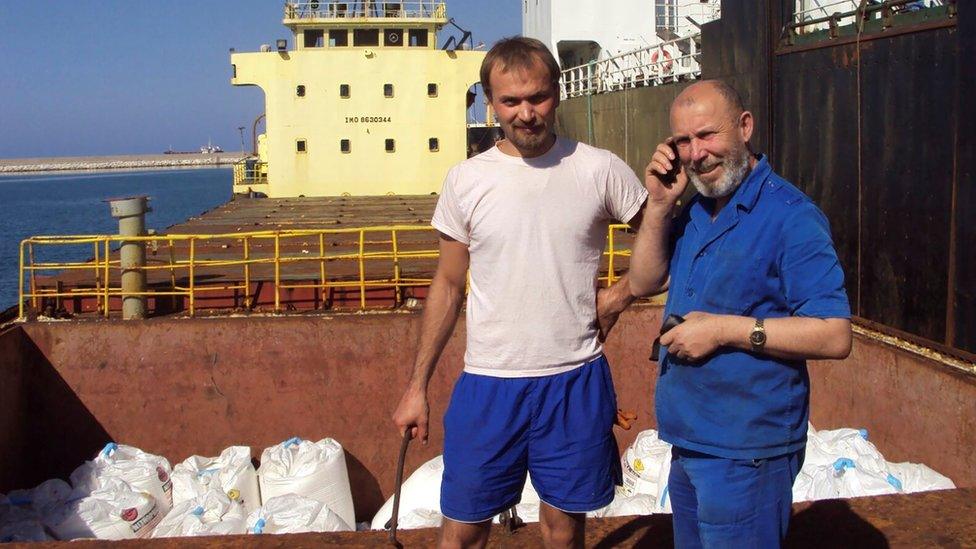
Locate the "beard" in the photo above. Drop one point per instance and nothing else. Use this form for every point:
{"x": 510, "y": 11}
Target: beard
{"x": 529, "y": 142}
{"x": 734, "y": 169}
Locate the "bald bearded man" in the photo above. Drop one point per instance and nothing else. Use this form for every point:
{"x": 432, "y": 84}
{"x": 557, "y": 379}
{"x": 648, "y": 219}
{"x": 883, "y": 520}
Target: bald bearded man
{"x": 750, "y": 265}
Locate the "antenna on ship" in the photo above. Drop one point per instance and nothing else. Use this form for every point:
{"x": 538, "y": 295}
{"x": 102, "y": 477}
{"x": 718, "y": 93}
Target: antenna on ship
{"x": 466, "y": 35}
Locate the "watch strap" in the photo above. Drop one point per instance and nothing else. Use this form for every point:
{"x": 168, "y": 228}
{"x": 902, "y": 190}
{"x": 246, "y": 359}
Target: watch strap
{"x": 761, "y": 329}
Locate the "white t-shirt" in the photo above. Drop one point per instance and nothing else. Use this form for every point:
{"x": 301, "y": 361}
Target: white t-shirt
{"x": 536, "y": 229}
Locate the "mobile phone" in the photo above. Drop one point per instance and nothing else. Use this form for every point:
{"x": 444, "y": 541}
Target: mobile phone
{"x": 669, "y": 323}
{"x": 672, "y": 174}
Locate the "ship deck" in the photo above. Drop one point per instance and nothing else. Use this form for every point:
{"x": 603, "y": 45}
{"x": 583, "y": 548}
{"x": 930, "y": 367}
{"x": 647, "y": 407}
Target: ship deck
{"x": 931, "y": 519}
{"x": 234, "y": 247}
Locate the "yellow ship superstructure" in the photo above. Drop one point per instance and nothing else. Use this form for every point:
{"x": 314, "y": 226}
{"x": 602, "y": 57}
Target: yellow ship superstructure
{"x": 364, "y": 103}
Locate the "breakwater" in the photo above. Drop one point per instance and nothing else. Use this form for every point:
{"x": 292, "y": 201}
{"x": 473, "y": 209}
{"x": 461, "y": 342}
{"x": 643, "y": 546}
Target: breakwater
{"x": 118, "y": 162}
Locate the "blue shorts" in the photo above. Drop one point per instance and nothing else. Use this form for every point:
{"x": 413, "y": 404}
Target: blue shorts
{"x": 559, "y": 428}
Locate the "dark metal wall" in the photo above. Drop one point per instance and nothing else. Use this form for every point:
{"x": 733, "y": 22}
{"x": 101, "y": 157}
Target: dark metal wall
{"x": 13, "y": 408}
{"x": 736, "y": 49}
{"x": 963, "y": 273}
{"x": 867, "y": 129}
{"x": 878, "y": 131}
{"x": 631, "y": 123}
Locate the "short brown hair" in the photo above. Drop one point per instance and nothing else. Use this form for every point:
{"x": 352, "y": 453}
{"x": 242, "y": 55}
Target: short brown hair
{"x": 517, "y": 52}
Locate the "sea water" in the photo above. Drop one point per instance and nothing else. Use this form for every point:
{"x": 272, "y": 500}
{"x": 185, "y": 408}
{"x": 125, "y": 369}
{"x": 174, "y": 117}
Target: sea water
{"x": 71, "y": 204}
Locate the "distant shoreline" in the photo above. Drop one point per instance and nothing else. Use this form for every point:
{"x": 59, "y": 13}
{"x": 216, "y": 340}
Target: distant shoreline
{"x": 82, "y": 164}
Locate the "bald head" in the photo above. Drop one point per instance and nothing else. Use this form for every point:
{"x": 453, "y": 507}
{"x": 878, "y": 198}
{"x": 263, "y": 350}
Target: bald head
{"x": 710, "y": 130}
{"x": 724, "y": 97}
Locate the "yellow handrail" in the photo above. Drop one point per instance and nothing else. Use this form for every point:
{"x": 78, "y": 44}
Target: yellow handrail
{"x": 102, "y": 265}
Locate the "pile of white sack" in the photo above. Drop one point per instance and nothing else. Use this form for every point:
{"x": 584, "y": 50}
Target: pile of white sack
{"x": 839, "y": 464}
{"x": 843, "y": 463}
{"x": 420, "y": 501}
{"x": 125, "y": 493}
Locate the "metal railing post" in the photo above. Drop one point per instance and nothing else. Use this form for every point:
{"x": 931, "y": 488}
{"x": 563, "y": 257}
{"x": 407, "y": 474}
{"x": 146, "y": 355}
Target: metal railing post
{"x": 362, "y": 270}
{"x": 108, "y": 283}
{"x": 172, "y": 273}
{"x": 33, "y": 278}
{"x": 277, "y": 271}
{"x": 247, "y": 274}
{"x": 398, "y": 298}
{"x": 192, "y": 273}
{"x": 20, "y": 286}
{"x": 98, "y": 286}
{"x": 612, "y": 252}
{"x": 322, "y": 280}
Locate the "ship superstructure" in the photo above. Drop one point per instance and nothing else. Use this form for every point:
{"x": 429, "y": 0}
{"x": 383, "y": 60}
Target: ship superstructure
{"x": 638, "y": 43}
{"x": 360, "y": 102}
{"x": 566, "y": 26}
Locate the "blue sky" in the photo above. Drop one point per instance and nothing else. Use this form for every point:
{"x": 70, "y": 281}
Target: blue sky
{"x": 100, "y": 77}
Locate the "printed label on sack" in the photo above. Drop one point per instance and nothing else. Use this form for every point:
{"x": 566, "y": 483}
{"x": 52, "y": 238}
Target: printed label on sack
{"x": 167, "y": 484}
{"x": 634, "y": 483}
{"x": 146, "y": 522}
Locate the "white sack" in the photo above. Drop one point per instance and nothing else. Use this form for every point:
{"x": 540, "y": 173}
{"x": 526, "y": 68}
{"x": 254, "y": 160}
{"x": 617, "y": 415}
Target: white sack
{"x": 917, "y": 477}
{"x": 115, "y": 513}
{"x": 44, "y": 496}
{"x": 141, "y": 471}
{"x": 644, "y": 464}
{"x": 212, "y": 514}
{"x": 826, "y": 447}
{"x": 231, "y": 473}
{"x": 23, "y": 530}
{"x": 316, "y": 470}
{"x": 16, "y": 499}
{"x": 625, "y": 504}
{"x": 19, "y": 521}
{"x": 842, "y": 479}
{"x": 52, "y": 493}
{"x": 528, "y": 505}
{"x": 421, "y": 490}
{"x": 420, "y": 518}
{"x": 293, "y": 514}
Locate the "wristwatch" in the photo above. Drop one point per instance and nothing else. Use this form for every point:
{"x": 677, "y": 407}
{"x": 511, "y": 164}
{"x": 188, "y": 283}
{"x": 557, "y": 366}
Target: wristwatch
{"x": 758, "y": 336}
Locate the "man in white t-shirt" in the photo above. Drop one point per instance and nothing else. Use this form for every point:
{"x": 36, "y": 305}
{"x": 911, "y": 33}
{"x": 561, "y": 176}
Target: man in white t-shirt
{"x": 529, "y": 217}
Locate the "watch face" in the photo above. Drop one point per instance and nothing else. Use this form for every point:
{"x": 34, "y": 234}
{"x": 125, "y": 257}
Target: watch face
{"x": 757, "y": 338}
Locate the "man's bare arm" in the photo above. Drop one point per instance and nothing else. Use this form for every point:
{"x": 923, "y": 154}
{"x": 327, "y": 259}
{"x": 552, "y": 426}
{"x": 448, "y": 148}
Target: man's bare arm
{"x": 612, "y": 301}
{"x": 790, "y": 338}
{"x": 441, "y": 310}
{"x": 665, "y": 181}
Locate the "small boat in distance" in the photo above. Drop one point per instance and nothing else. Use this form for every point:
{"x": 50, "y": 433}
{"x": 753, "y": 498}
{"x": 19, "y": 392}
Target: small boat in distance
{"x": 210, "y": 148}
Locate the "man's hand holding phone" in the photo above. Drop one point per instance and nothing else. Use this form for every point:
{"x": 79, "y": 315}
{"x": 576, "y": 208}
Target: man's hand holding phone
{"x": 665, "y": 177}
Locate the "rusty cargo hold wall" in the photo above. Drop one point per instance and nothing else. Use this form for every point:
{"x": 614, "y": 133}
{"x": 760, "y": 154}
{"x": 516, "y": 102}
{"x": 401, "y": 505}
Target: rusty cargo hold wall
{"x": 876, "y": 128}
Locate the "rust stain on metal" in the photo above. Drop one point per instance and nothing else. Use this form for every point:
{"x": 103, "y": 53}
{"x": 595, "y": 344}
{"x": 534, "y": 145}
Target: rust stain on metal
{"x": 929, "y": 353}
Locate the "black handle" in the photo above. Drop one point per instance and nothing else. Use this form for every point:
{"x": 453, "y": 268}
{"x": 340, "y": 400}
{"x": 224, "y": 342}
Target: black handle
{"x": 669, "y": 323}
